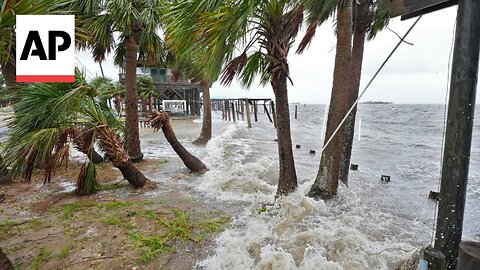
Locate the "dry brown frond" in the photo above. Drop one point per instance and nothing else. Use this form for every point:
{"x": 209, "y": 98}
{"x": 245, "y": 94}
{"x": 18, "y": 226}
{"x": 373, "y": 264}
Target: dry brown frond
{"x": 295, "y": 22}
{"x": 30, "y": 155}
{"x": 233, "y": 68}
{"x": 158, "y": 119}
{"x": 112, "y": 145}
{"x": 83, "y": 140}
{"x": 307, "y": 38}
{"x": 61, "y": 155}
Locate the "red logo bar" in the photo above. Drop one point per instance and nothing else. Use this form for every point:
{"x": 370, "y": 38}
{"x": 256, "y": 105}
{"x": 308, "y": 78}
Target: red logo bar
{"x": 45, "y": 78}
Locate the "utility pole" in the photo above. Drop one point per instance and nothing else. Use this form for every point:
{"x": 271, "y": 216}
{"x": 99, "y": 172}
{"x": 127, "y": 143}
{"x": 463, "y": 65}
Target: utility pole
{"x": 458, "y": 138}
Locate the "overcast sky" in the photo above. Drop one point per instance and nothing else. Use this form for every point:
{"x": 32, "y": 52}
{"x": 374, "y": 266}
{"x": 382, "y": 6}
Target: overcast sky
{"x": 415, "y": 74}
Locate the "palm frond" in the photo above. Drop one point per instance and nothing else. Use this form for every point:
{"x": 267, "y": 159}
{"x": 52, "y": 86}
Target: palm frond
{"x": 87, "y": 180}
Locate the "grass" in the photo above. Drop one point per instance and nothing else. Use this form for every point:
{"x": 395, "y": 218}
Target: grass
{"x": 112, "y": 220}
{"x": 42, "y": 257}
{"x": 112, "y": 187}
{"x": 17, "y": 264}
{"x": 175, "y": 226}
{"x": 70, "y": 209}
{"x": 64, "y": 251}
{"x": 37, "y": 224}
{"x": 147, "y": 227}
{"x": 5, "y": 228}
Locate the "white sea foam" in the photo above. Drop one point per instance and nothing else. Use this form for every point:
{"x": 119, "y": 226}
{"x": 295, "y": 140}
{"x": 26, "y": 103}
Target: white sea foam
{"x": 301, "y": 233}
{"x": 233, "y": 175}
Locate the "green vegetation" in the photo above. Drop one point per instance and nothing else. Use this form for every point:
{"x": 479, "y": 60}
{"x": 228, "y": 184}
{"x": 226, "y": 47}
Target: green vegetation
{"x": 168, "y": 228}
{"x": 43, "y": 256}
{"x": 6, "y": 227}
{"x": 64, "y": 251}
{"x": 174, "y": 226}
{"x": 112, "y": 220}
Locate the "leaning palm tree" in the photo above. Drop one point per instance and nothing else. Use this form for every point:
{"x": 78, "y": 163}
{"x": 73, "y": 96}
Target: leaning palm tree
{"x": 265, "y": 31}
{"x": 136, "y": 23}
{"x": 161, "y": 120}
{"x": 49, "y": 116}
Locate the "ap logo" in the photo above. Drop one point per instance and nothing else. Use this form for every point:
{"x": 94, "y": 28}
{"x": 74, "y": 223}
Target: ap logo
{"x": 45, "y": 48}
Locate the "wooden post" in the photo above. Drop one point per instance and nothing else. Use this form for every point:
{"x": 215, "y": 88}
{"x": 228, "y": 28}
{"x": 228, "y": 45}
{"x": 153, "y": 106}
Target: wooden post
{"x": 233, "y": 111}
{"x": 272, "y": 104}
{"x": 296, "y": 107}
{"x": 266, "y": 111}
{"x": 469, "y": 255}
{"x": 242, "y": 108}
{"x": 255, "y": 110}
{"x": 227, "y": 104}
{"x": 435, "y": 259}
{"x": 247, "y": 111}
{"x": 237, "y": 109}
{"x": 187, "y": 103}
{"x": 458, "y": 135}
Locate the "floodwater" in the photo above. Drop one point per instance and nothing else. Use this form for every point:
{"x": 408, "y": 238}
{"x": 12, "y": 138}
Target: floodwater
{"x": 369, "y": 225}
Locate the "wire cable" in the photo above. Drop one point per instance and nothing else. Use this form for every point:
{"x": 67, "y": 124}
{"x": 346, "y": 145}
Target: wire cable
{"x": 369, "y": 83}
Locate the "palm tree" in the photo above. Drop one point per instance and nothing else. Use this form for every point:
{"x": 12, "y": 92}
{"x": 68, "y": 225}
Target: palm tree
{"x": 5, "y": 263}
{"x": 8, "y": 10}
{"x": 352, "y": 19}
{"x": 369, "y": 17}
{"x": 137, "y": 24}
{"x": 48, "y": 116}
{"x": 265, "y": 31}
{"x": 160, "y": 120}
{"x": 188, "y": 60}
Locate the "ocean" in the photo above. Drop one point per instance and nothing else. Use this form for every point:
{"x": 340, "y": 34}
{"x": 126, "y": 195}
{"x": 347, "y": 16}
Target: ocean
{"x": 368, "y": 225}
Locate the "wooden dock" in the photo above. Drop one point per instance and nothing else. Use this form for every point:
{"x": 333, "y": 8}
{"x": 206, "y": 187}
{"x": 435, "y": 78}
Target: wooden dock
{"x": 234, "y": 109}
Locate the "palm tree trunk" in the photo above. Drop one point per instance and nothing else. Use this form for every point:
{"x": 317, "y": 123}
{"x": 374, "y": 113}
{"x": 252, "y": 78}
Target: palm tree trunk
{"x": 83, "y": 143}
{"x": 117, "y": 103}
{"x": 326, "y": 182}
{"x": 9, "y": 73}
{"x": 162, "y": 120}
{"x": 287, "y": 181}
{"x": 132, "y": 135}
{"x": 356, "y": 74}
{"x": 119, "y": 157}
{"x": 5, "y": 263}
{"x": 4, "y": 177}
{"x": 206, "y": 133}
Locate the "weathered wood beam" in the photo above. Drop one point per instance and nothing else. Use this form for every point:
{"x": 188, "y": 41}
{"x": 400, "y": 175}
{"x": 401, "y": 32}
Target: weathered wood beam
{"x": 458, "y": 133}
{"x": 413, "y": 8}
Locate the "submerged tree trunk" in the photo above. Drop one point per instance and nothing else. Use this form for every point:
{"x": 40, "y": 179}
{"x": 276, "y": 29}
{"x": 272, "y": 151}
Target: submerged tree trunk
{"x": 206, "y": 133}
{"x": 287, "y": 181}
{"x": 118, "y": 156}
{"x": 362, "y": 20}
{"x": 326, "y": 182}
{"x": 5, "y": 263}
{"x": 161, "y": 120}
{"x": 132, "y": 135}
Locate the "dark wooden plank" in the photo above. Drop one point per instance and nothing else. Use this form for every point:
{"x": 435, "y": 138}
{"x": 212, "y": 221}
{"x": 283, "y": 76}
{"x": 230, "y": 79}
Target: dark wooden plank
{"x": 413, "y": 8}
{"x": 458, "y": 133}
